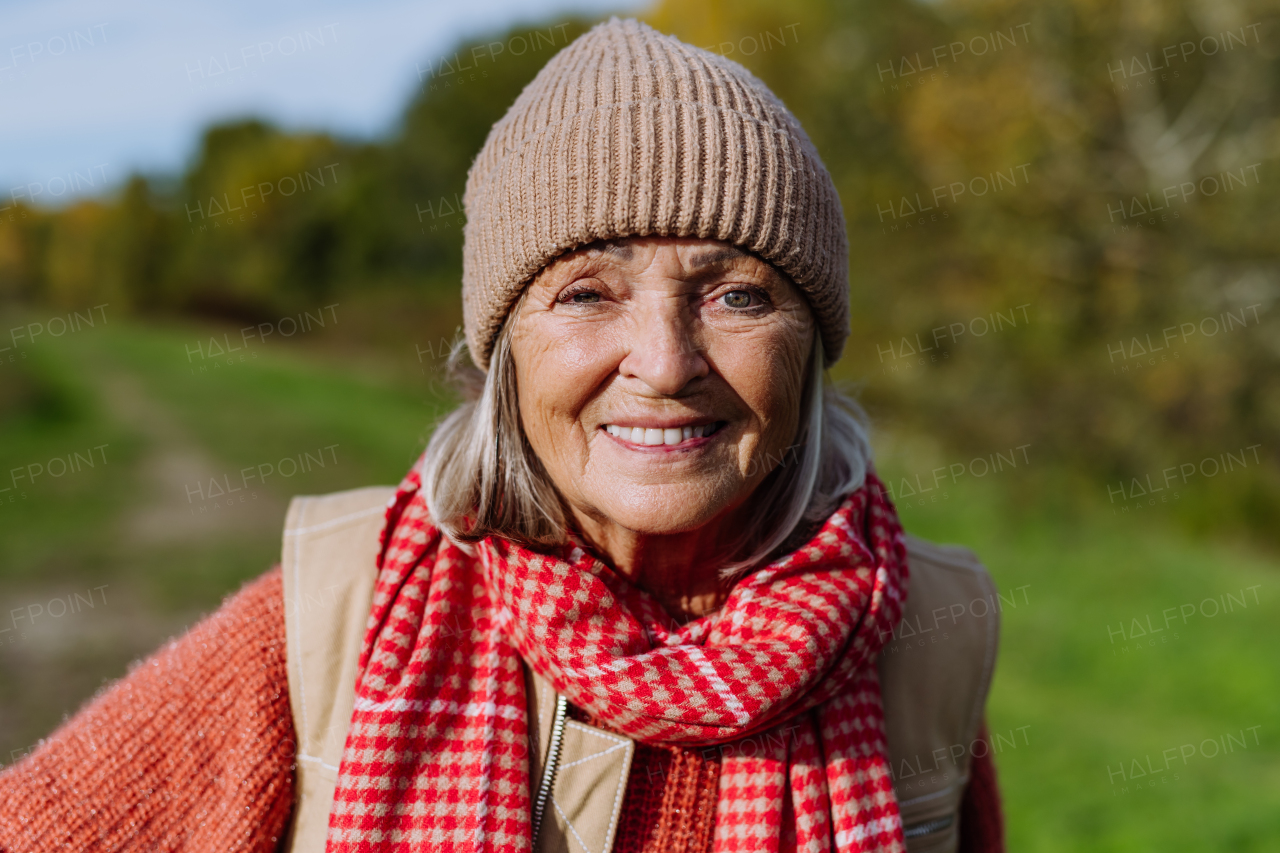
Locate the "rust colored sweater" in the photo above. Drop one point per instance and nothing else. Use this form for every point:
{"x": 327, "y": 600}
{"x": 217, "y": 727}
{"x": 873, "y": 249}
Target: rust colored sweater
{"x": 670, "y": 804}
{"x": 193, "y": 751}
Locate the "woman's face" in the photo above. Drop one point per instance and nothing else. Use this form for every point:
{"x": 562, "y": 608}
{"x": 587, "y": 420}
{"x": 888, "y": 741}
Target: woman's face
{"x": 660, "y": 378}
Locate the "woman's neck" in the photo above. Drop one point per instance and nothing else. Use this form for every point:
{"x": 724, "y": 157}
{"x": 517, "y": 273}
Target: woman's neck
{"x": 680, "y": 570}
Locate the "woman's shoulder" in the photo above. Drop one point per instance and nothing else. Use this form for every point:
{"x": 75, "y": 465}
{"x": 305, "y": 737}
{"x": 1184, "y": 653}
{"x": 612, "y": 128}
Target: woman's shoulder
{"x": 951, "y": 599}
{"x": 331, "y": 542}
{"x": 314, "y": 514}
{"x": 935, "y": 673}
{"x": 200, "y": 728}
{"x": 329, "y": 555}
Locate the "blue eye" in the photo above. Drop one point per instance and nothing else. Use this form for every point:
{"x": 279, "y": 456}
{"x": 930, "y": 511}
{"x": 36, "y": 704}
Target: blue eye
{"x": 738, "y": 298}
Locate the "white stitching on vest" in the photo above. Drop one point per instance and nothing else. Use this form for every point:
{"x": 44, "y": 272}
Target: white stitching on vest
{"x": 623, "y": 778}
{"x": 621, "y": 784}
{"x": 333, "y": 522}
{"x": 297, "y": 586}
{"x": 593, "y": 757}
{"x": 569, "y": 824}
{"x": 591, "y": 730}
{"x": 317, "y": 761}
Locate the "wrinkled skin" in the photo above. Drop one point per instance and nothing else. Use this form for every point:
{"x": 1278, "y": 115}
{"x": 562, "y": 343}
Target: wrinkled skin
{"x": 661, "y": 332}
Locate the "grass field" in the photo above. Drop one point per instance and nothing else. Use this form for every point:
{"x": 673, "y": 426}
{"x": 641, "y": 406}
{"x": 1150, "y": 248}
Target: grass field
{"x": 153, "y": 535}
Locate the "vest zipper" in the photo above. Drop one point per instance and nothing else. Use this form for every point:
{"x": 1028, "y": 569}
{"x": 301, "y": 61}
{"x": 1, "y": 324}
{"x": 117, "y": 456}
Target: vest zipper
{"x": 929, "y": 826}
{"x": 553, "y": 764}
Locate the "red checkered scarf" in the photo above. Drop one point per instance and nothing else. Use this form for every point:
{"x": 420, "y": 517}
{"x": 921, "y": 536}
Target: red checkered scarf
{"x": 435, "y": 757}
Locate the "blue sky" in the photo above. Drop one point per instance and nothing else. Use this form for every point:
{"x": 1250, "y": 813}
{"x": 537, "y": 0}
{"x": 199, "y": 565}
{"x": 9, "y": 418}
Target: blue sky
{"x": 91, "y": 90}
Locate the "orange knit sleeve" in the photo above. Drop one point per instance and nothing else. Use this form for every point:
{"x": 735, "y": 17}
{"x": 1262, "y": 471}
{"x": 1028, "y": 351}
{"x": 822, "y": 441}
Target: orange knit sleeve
{"x": 192, "y": 750}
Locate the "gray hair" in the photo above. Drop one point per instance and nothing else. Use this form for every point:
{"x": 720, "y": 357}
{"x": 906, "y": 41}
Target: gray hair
{"x": 481, "y": 477}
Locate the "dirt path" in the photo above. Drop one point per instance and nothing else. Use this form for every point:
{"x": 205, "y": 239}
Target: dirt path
{"x": 177, "y": 472}
{"x": 69, "y": 637}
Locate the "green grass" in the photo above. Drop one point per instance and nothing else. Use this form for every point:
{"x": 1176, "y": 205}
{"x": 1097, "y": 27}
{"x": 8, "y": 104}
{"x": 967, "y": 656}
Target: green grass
{"x": 1087, "y": 705}
{"x": 131, "y": 387}
{"x": 280, "y": 405}
{"x": 1095, "y": 700}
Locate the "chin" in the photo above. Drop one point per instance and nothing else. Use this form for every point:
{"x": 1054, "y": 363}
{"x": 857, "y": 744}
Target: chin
{"x": 658, "y": 509}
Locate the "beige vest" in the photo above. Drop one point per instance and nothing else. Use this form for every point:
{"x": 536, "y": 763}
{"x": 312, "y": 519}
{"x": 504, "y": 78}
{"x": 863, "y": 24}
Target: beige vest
{"x": 935, "y": 672}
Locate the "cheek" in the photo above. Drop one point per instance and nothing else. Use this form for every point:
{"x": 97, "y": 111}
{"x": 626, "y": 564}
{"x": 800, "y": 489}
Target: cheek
{"x": 768, "y": 375}
{"x": 557, "y": 368}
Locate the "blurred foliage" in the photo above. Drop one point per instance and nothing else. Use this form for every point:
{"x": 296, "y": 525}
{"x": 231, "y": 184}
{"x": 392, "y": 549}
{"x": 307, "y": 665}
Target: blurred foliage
{"x": 1061, "y": 106}
{"x": 267, "y": 222}
{"x": 376, "y": 227}
{"x": 1042, "y": 287}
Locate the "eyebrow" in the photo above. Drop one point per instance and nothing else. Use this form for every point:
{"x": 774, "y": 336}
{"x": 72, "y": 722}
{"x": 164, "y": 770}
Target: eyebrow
{"x": 611, "y": 248}
{"x": 718, "y": 257}
{"x": 705, "y": 261}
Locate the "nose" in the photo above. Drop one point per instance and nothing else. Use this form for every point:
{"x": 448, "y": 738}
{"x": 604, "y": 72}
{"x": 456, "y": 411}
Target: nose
{"x": 663, "y": 350}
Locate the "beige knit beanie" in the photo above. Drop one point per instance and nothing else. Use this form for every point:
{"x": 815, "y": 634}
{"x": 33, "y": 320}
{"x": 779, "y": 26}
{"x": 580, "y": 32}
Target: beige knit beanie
{"x": 629, "y": 132}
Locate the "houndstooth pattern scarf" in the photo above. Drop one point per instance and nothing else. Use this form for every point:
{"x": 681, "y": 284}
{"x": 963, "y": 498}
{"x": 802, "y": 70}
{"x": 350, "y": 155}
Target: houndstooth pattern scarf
{"x": 436, "y": 756}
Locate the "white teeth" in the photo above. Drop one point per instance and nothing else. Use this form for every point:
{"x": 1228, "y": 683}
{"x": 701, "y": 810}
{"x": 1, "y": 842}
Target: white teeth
{"x": 653, "y": 437}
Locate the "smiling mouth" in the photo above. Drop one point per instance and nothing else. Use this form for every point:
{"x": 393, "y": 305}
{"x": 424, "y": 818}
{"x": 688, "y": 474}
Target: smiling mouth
{"x": 669, "y": 437}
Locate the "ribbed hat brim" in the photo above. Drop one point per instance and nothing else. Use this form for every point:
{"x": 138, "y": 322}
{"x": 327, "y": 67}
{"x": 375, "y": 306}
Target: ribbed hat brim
{"x": 627, "y": 132}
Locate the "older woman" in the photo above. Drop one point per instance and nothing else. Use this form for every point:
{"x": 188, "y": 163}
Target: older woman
{"x": 635, "y": 595}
